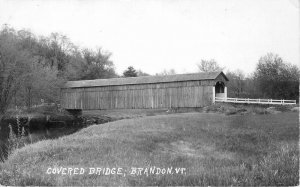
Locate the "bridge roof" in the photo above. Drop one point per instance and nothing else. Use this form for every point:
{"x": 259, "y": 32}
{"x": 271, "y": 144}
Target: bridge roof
{"x": 145, "y": 80}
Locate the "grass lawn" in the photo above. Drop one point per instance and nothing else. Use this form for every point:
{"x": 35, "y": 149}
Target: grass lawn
{"x": 215, "y": 149}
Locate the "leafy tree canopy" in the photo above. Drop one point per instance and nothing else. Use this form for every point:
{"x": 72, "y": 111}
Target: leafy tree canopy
{"x": 130, "y": 72}
{"x": 35, "y": 67}
{"x": 209, "y": 66}
{"x": 276, "y": 78}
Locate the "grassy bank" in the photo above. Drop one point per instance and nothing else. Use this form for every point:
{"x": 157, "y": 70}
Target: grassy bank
{"x": 215, "y": 150}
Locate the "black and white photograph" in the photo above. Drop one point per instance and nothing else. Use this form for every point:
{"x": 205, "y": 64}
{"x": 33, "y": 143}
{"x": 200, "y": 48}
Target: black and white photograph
{"x": 149, "y": 92}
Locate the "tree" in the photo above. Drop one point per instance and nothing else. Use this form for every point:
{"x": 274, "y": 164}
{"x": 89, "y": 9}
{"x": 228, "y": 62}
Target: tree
{"x": 166, "y": 72}
{"x": 34, "y": 68}
{"x": 277, "y": 79}
{"x": 97, "y": 65}
{"x": 236, "y": 85}
{"x": 130, "y": 72}
{"x": 140, "y": 73}
{"x": 41, "y": 82}
{"x": 88, "y": 64}
{"x": 56, "y": 51}
{"x": 209, "y": 66}
{"x": 22, "y": 76}
{"x": 13, "y": 66}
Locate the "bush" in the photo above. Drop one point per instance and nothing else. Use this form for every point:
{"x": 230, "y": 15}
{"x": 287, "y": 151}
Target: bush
{"x": 214, "y": 108}
{"x": 259, "y": 110}
{"x": 283, "y": 108}
{"x": 16, "y": 139}
{"x": 231, "y": 111}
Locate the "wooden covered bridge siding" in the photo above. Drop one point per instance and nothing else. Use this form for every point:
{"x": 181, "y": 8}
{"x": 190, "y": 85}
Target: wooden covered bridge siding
{"x": 194, "y": 93}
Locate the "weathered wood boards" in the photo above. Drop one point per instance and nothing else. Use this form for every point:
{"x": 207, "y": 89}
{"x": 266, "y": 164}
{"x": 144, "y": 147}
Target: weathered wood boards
{"x": 187, "y": 93}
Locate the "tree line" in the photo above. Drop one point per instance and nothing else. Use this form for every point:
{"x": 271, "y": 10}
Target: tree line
{"x": 273, "y": 78}
{"x": 35, "y": 67}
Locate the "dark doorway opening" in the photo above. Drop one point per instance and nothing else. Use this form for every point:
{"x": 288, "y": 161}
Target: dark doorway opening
{"x": 219, "y": 87}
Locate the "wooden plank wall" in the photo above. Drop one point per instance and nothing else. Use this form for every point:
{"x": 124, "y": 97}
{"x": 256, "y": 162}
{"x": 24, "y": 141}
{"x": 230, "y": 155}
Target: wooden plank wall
{"x": 161, "y": 95}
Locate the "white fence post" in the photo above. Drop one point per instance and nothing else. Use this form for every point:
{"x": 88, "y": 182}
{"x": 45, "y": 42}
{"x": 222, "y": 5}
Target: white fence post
{"x": 214, "y": 95}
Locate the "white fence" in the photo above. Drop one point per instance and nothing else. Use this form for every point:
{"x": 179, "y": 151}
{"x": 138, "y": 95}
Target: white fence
{"x": 255, "y": 101}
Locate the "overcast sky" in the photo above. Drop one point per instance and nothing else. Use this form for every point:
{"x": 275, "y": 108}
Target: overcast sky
{"x": 153, "y": 35}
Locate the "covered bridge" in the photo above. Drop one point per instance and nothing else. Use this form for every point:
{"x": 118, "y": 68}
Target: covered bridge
{"x": 170, "y": 91}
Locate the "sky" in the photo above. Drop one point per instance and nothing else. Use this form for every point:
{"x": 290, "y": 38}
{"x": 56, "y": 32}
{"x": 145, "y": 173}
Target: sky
{"x": 153, "y": 35}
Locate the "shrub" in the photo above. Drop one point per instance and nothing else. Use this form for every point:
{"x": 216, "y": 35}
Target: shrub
{"x": 214, "y": 108}
{"x": 16, "y": 139}
{"x": 231, "y": 111}
{"x": 2, "y": 154}
{"x": 283, "y": 108}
